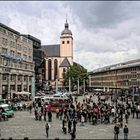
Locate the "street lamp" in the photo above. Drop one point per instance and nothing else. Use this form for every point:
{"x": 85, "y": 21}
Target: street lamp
{"x": 69, "y": 84}
{"x": 56, "y": 85}
{"x": 84, "y": 85}
{"x": 78, "y": 86}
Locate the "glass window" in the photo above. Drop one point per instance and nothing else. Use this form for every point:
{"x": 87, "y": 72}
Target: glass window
{"x": 13, "y": 78}
{"x": 19, "y": 77}
{"x": 4, "y": 50}
{"x": 55, "y": 68}
{"x": 4, "y": 41}
{"x": 49, "y": 69}
{"x": 4, "y": 77}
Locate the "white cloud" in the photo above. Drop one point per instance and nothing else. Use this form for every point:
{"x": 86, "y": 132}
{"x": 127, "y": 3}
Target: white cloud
{"x": 114, "y": 41}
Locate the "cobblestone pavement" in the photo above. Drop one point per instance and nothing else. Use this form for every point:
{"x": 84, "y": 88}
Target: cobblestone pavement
{"x": 24, "y": 125}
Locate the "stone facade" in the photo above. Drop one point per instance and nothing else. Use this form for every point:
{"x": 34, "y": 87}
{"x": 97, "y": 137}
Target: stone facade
{"x": 16, "y": 62}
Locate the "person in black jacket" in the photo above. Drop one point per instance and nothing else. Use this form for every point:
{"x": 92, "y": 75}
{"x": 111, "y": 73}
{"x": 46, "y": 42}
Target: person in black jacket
{"x": 125, "y": 131}
{"x": 47, "y": 129}
{"x": 116, "y": 131}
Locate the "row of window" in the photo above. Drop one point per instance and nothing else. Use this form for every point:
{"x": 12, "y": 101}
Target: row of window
{"x": 136, "y": 75}
{"x": 63, "y": 42}
{"x": 8, "y": 33}
{"x": 14, "y": 64}
{"x": 117, "y": 85}
{"x": 19, "y": 47}
{"x": 14, "y": 36}
{"x": 13, "y": 78}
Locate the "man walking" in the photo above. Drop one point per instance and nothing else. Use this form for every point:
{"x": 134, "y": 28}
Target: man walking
{"x": 47, "y": 129}
{"x": 125, "y": 131}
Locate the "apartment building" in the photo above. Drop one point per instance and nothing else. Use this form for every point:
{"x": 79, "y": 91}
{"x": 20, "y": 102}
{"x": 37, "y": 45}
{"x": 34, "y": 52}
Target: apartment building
{"x": 122, "y": 77}
{"x": 16, "y": 62}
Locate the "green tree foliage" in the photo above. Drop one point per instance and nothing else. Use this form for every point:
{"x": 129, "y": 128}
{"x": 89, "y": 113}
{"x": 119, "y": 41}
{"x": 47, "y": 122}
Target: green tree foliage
{"x": 75, "y": 72}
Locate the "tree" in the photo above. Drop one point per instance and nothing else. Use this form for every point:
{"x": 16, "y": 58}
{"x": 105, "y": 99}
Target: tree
{"x": 75, "y": 72}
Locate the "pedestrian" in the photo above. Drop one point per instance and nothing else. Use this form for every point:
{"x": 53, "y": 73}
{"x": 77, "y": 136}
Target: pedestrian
{"x": 57, "y": 113}
{"x": 69, "y": 125}
{"x": 44, "y": 114}
{"x": 47, "y": 129}
{"x": 116, "y": 131}
{"x": 36, "y": 114}
{"x": 30, "y": 108}
{"x": 73, "y": 135}
{"x": 50, "y": 116}
{"x": 74, "y": 125}
{"x": 40, "y": 116}
{"x": 126, "y": 117}
{"x": 82, "y": 120}
{"x": 125, "y": 131}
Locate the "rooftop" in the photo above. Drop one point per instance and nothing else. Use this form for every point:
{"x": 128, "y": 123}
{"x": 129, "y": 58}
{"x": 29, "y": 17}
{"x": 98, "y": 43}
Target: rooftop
{"x": 10, "y": 29}
{"x": 127, "y": 64}
{"x": 51, "y": 50}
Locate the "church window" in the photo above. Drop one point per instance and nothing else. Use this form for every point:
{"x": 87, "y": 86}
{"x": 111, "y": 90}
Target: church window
{"x": 55, "y": 69}
{"x": 49, "y": 69}
{"x": 64, "y": 72}
{"x": 63, "y": 42}
{"x": 68, "y": 42}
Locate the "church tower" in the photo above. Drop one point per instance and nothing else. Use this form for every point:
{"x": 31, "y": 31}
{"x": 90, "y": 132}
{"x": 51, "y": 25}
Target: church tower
{"x": 66, "y": 44}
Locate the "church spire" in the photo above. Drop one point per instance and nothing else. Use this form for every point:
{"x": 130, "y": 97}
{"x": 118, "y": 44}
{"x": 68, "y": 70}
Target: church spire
{"x": 66, "y": 29}
{"x": 66, "y": 24}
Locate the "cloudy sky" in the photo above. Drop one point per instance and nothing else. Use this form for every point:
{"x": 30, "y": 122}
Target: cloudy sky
{"x": 104, "y": 32}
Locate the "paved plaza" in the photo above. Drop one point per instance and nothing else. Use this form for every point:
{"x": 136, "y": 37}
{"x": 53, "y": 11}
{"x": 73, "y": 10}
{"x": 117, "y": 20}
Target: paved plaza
{"x": 25, "y": 125}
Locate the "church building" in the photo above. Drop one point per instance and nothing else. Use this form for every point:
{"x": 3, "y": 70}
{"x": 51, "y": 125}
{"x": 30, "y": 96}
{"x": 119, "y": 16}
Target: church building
{"x": 58, "y": 57}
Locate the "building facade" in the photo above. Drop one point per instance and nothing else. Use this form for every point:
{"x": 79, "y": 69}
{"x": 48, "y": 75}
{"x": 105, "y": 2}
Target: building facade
{"x": 38, "y": 58}
{"x": 58, "y": 57}
{"x": 121, "y": 77}
{"x": 16, "y": 62}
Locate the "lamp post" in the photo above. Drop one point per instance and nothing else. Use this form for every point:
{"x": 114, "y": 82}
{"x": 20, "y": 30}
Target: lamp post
{"x": 69, "y": 84}
{"x": 78, "y": 86}
{"x": 56, "y": 85}
{"x": 84, "y": 85}
{"x": 33, "y": 85}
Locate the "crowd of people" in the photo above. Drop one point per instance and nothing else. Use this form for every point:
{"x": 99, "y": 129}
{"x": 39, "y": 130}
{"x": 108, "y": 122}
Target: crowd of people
{"x": 115, "y": 112}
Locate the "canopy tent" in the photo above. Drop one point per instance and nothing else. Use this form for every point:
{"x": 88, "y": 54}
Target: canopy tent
{"x": 23, "y": 93}
{"x": 40, "y": 94}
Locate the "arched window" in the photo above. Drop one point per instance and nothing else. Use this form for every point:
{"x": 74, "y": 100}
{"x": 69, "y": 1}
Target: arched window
{"x": 49, "y": 69}
{"x": 55, "y": 69}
